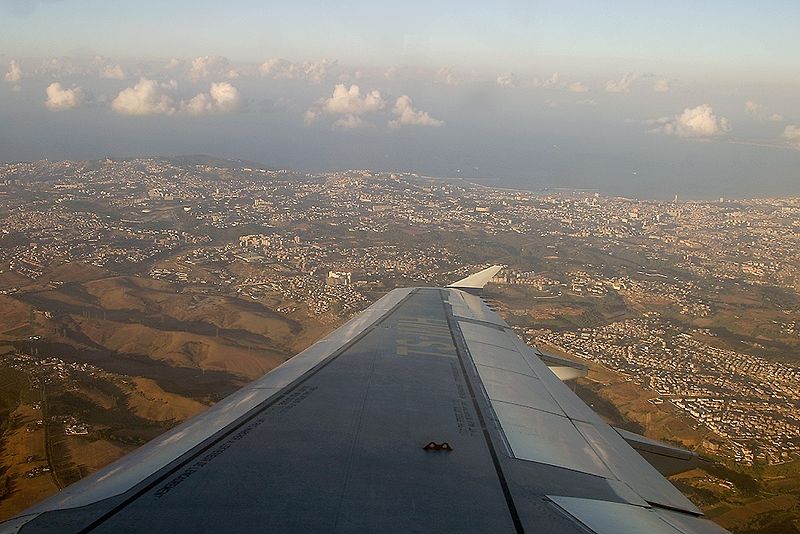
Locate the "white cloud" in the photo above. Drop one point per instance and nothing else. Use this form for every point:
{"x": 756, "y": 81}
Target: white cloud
{"x": 112, "y": 72}
{"x": 408, "y": 115}
{"x": 555, "y": 79}
{"x": 225, "y": 96}
{"x": 200, "y": 104}
{"x": 147, "y": 97}
{"x": 397, "y": 72}
{"x": 315, "y": 71}
{"x": 754, "y": 109}
{"x": 221, "y": 98}
{"x": 349, "y": 122}
{"x": 108, "y": 70}
{"x": 312, "y": 71}
{"x": 699, "y": 121}
{"x": 350, "y": 101}
{"x": 277, "y": 68}
{"x": 351, "y": 76}
{"x": 208, "y": 66}
{"x": 623, "y": 85}
{"x": 14, "y": 73}
{"x": 507, "y": 80}
{"x": 761, "y": 112}
{"x": 310, "y": 116}
{"x": 577, "y": 87}
{"x": 792, "y": 135}
{"x": 60, "y": 98}
{"x": 447, "y": 76}
{"x": 59, "y": 67}
{"x": 350, "y": 105}
{"x": 661, "y": 86}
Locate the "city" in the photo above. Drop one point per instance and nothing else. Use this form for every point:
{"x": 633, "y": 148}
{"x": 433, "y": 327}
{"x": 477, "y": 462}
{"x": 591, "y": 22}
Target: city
{"x": 694, "y": 302}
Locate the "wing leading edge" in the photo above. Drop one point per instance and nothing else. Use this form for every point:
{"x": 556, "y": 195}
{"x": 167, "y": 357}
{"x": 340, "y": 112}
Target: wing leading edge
{"x": 335, "y": 440}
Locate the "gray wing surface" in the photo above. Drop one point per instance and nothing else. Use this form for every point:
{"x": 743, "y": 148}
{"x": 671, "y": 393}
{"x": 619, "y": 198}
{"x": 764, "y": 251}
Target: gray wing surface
{"x": 424, "y": 413}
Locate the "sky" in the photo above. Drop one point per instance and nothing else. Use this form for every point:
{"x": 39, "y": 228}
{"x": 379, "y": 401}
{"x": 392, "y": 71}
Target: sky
{"x": 639, "y": 99}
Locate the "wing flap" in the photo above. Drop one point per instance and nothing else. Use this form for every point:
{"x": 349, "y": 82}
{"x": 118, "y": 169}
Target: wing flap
{"x": 667, "y": 459}
{"x": 581, "y": 440}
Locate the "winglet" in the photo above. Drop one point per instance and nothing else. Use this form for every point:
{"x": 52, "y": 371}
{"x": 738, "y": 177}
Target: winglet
{"x": 475, "y": 282}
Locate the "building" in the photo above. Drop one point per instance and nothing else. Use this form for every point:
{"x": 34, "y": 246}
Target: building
{"x": 339, "y": 278}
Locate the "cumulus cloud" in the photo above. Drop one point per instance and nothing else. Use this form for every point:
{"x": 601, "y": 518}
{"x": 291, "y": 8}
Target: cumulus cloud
{"x": 208, "y": 66}
{"x": 348, "y": 103}
{"x": 507, "y": 80}
{"x": 661, "y": 86}
{"x": 623, "y": 85}
{"x": 351, "y": 101}
{"x": 59, "y": 98}
{"x": 555, "y": 79}
{"x": 312, "y": 71}
{"x": 352, "y": 76}
{"x": 349, "y": 122}
{"x": 225, "y": 96}
{"x": 761, "y": 112}
{"x": 147, "y": 97}
{"x": 754, "y": 109}
{"x": 396, "y": 71}
{"x": 316, "y": 71}
{"x": 447, "y": 76}
{"x": 577, "y": 87}
{"x": 699, "y": 121}
{"x": 407, "y": 115}
{"x": 221, "y": 98}
{"x": 59, "y": 67}
{"x": 107, "y": 69}
{"x": 278, "y": 68}
{"x": 14, "y": 73}
{"x": 311, "y": 115}
{"x": 112, "y": 72}
{"x": 792, "y": 135}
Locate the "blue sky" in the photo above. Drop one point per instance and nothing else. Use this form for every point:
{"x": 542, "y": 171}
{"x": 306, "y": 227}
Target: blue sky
{"x": 632, "y": 95}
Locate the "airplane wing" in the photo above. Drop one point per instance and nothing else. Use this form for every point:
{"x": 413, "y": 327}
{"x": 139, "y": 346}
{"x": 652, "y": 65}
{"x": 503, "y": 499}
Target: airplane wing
{"x": 424, "y": 413}
{"x": 475, "y": 282}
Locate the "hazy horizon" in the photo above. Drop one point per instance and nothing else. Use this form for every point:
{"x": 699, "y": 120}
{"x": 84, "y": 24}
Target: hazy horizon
{"x": 631, "y": 100}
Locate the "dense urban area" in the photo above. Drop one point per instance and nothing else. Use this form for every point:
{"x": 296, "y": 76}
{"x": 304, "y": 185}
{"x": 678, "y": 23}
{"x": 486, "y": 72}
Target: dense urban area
{"x": 120, "y": 279}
